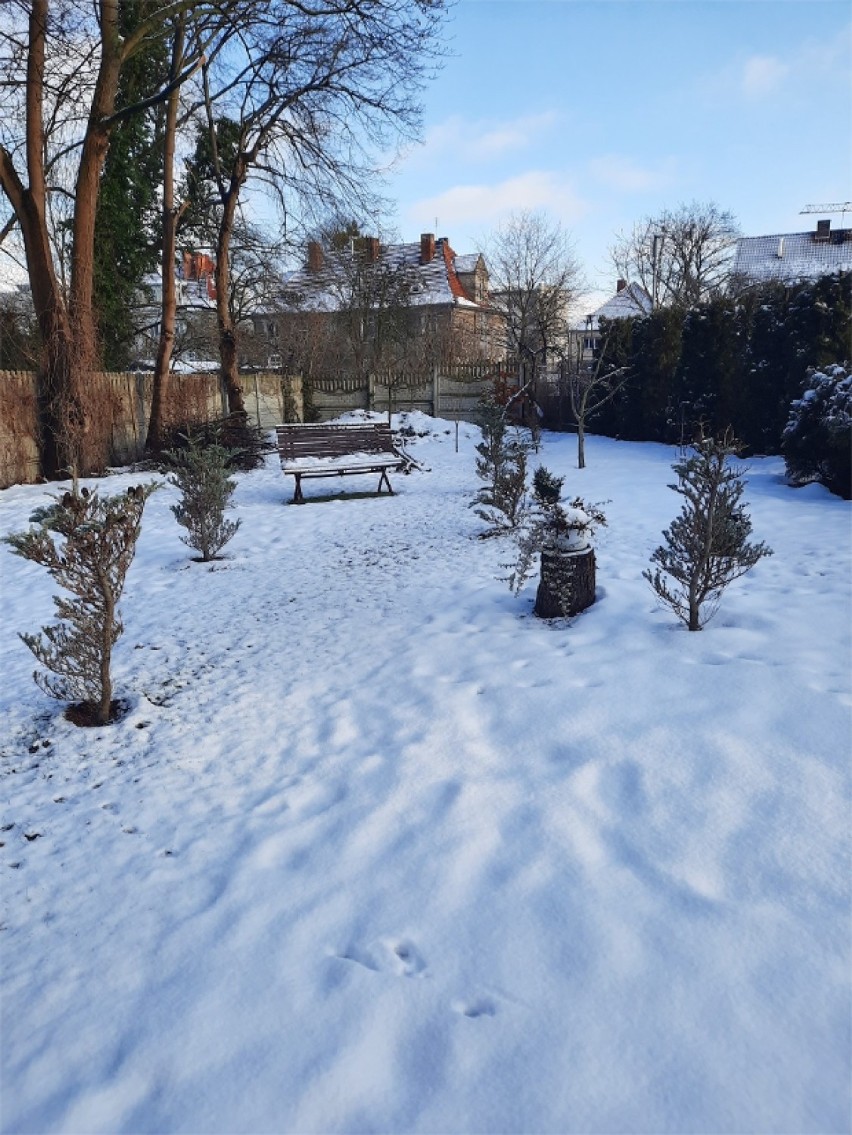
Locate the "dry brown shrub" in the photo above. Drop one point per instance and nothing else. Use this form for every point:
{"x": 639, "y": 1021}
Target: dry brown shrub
{"x": 105, "y": 415}
{"x": 191, "y": 399}
{"x": 18, "y": 428}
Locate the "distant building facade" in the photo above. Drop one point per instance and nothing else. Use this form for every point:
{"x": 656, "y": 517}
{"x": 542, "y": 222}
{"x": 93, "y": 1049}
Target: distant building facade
{"x": 397, "y": 304}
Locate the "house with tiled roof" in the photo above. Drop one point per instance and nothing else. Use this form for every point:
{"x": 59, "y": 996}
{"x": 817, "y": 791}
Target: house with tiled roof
{"x": 439, "y": 296}
{"x": 789, "y": 258}
{"x": 629, "y": 300}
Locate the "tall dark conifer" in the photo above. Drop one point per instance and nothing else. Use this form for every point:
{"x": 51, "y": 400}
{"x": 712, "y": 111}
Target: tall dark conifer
{"x": 127, "y": 226}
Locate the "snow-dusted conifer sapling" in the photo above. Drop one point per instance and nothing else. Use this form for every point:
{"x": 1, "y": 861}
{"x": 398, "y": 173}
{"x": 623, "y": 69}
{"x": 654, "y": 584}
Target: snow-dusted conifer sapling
{"x": 87, "y": 544}
{"x": 200, "y": 472}
{"x": 707, "y": 547}
{"x": 501, "y": 465}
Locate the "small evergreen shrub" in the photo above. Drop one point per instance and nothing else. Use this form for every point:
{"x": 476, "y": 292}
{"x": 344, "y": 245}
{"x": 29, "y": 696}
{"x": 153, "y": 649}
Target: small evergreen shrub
{"x": 817, "y": 440}
{"x": 200, "y": 472}
{"x": 246, "y": 445}
{"x": 501, "y": 464}
{"x": 87, "y": 543}
{"x": 706, "y": 548}
{"x": 547, "y": 488}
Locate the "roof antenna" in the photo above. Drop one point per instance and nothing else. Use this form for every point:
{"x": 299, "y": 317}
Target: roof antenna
{"x": 841, "y": 207}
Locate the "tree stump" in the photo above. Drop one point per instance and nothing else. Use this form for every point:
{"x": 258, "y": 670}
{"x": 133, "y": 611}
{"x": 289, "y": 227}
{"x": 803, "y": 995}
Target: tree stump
{"x": 567, "y": 584}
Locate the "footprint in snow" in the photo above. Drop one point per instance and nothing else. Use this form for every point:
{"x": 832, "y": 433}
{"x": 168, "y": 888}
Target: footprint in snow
{"x": 476, "y": 1007}
{"x": 389, "y": 955}
{"x": 407, "y": 961}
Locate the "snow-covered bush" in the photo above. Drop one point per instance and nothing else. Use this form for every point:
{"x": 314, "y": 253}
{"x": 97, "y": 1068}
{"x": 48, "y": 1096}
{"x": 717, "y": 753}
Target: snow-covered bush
{"x": 87, "y": 543}
{"x": 817, "y": 440}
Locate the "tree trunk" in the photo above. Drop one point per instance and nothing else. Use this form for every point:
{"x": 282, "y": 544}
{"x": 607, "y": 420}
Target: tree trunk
{"x": 228, "y": 360}
{"x": 567, "y": 584}
{"x": 581, "y": 443}
{"x": 67, "y": 329}
{"x": 168, "y": 314}
{"x": 105, "y": 703}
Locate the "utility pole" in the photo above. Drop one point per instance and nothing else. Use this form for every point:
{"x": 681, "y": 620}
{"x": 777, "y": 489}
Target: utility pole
{"x": 656, "y": 241}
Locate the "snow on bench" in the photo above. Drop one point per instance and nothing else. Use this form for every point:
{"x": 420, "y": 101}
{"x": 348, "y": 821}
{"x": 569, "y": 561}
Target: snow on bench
{"x": 335, "y": 449}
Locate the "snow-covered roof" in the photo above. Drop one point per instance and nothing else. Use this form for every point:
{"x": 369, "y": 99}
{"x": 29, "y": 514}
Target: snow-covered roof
{"x": 190, "y": 293}
{"x": 789, "y": 257}
{"x": 628, "y": 301}
{"x": 467, "y": 262}
{"x": 436, "y": 282}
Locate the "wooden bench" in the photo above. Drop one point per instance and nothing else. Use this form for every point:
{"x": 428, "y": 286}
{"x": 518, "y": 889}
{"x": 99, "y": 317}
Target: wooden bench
{"x": 334, "y": 449}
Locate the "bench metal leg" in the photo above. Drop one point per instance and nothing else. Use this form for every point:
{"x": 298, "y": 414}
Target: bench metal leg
{"x": 384, "y": 480}
{"x": 297, "y": 495}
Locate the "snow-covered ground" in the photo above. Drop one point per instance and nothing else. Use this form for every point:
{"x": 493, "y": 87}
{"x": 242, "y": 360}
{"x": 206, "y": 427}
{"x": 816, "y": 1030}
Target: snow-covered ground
{"x": 376, "y": 850}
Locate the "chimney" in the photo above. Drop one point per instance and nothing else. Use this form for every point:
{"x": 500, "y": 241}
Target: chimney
{"x": 372, "y": 246}
{"x": 315, "y": 256}
{"x": 427, "y": 248}
{"x": 620, "y": 285}
{"x": 823, "y": 230}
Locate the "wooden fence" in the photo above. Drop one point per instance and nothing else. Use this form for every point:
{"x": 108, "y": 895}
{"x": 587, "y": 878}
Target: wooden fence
{"x": 449, "y": 392}
{"x": 191, "y": 398}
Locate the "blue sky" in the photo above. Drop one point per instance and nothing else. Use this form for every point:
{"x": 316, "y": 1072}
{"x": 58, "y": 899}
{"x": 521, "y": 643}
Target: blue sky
{"x": 603, "y": 111}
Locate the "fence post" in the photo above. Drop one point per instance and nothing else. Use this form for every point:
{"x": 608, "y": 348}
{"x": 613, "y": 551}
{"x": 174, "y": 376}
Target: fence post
{"x": 436, "y": 391}
{"x": 141, "y": 405}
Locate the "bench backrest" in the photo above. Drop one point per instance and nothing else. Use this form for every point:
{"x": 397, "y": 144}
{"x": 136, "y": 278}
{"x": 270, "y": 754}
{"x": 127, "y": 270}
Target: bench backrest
{"x": 323, "y": 439}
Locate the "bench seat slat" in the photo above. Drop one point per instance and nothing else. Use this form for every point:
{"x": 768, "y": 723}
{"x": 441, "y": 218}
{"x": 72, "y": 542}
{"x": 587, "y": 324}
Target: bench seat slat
{"x": 328, "y": 450}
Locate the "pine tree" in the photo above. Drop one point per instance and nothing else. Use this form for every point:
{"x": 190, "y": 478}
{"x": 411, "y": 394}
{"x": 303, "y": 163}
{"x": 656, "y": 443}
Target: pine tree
{"x": 127, "y": 221}
{"x": 762, "y": 404}
{"x": 502, "y": 465}
{"x": 97, "y": 542}
{"x": 200, "y": 472}
{"x": 706, "y": 548}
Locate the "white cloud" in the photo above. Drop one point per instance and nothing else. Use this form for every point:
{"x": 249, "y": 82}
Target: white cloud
{"x": 462, "y": 205}
{"x": 757, "y": 77}
{"x": 762, "y": 75}
{"x": 483, "y": 139}
{"x": 626, "y": 176}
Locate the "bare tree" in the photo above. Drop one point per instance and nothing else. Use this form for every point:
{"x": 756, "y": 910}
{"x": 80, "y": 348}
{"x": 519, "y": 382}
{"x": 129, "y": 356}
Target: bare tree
{"x": 590, "y": 386}
{"x": 171, "y": 213}
{"x": 61, "y": 63}
{"x": 535, "y": 277}
{"x": 680, "y": 256}
{"x": 187, "y": 29}
{"x": 298, "y": 102}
